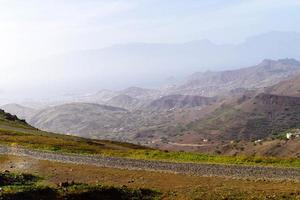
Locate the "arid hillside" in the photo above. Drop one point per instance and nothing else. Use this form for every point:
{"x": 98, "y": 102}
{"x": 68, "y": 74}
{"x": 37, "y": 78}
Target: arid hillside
{"x": 265, "y": 74}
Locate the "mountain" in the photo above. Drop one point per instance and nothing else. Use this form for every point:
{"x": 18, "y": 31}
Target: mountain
{"x": 251, "y": 117}
{"x": 145, "y": 115}
{"x": 79, "y": 118}
{"x": 289, "y": 87}
{"x": 16, "y": 133}
{"x": 22, "y": 112}
{"x": 113, "y": 97}
{"x": 172, "y": 102}
{"x": 140, "y": 93}
{"x": 148, "y": 65}
{"x": 125, "y": 101}
{"x": 267, "y": 73}
{"x": 209, "y": 84}
{"x": 98, "y": 97}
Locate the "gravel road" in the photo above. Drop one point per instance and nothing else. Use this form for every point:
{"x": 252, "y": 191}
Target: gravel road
{"x": 234, "y": 171}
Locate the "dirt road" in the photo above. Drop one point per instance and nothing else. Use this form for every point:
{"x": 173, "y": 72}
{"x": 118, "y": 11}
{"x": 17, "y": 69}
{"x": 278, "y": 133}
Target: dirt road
{"x": 233, "y": 171}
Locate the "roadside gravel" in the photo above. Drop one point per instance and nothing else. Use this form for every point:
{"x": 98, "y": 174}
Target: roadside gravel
{"x": 233, "y": 171}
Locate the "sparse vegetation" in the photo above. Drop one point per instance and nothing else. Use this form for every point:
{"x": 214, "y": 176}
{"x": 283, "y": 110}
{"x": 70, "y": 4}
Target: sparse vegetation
{"x": 181, "y": 187}
{"x": 203, "y": 158}
{"x": 26, "y": 186}
{"x": 35, "y": 139}
{"x": 8, "y": 178}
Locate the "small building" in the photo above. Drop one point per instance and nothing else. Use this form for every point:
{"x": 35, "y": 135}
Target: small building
{"x": 294, "y": 134}
{"x": 258, "y": 141}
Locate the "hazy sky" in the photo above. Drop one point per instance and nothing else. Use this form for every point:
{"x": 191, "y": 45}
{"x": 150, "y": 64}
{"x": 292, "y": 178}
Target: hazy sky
{"x": 33, "y": 29}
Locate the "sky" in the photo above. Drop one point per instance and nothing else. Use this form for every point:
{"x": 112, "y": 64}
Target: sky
{"x": 35, "y": 29}
{"x": 31, "y": 29}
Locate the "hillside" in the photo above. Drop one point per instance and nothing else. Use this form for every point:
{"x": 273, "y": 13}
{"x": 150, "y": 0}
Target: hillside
{"x": 125, "y": 101}
{"x": 76, "y": 118}
{"x": 22, "y": 112}
{"x": 140, "y": 93}
{"x": 180, "y": 102}
{"x": 265, "y": 74}
{"x": 57, "y": 174}
{"x": 289, "y": 87}
{"x": 16, "y": 132}
{"x": 251, "y": 118}
{"x": 8, "y": 120}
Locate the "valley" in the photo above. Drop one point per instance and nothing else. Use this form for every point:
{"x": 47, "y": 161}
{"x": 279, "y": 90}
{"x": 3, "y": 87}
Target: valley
{"x": 207, "y": 112}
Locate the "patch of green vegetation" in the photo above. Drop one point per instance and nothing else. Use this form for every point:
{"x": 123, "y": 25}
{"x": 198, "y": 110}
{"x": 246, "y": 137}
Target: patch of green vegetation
{"x": 84, "y": 191}
{"x": 282, "y": 134}
{"x": 75, "y": 191}
{"x": 201, "y": 193}
{"x": 40, "y": 140}
{"x": 203, "y": 158}
{"x": 7, "y": 178}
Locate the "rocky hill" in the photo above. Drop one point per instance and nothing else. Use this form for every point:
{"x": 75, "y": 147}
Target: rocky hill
{"x": 172, "y": 102}
{"x": 79, "y": 118}
{"x": 9, "y": 120}
{"x": 265, "y": 74}
{"x": 125, "y": 101}
{"x": 290, "y": 87}
{"x": 250, "y": 118}
{"x": 22, "y": 112}
{"x": 140, "y": 93}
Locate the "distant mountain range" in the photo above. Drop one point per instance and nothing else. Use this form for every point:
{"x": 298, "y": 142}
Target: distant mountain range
{"x": 209, "y": 84}
{"x": 268, "y": 72}
{"x": 149, "y": 65}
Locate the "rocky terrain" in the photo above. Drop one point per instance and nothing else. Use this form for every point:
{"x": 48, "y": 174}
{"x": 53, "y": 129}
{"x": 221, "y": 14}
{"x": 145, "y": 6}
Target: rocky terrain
{"x": 79, "y": 118}
{"x": 179, "y": 102}
{"x": 290, "y": 87}
{"x": 258, "y": 117}
{"x": 126, "y": 101}
{"x": 267, "y": 73}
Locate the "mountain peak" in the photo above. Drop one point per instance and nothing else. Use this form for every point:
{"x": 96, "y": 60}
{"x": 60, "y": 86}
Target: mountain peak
{"x": 289, "y": 61}
{"x": 284, "y": 61}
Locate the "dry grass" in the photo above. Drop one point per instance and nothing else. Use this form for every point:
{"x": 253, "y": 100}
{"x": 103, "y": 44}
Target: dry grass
{"x": 173, "y": 186}
{"x": 57, "y": 142}
{"x": 35, "y": 139}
